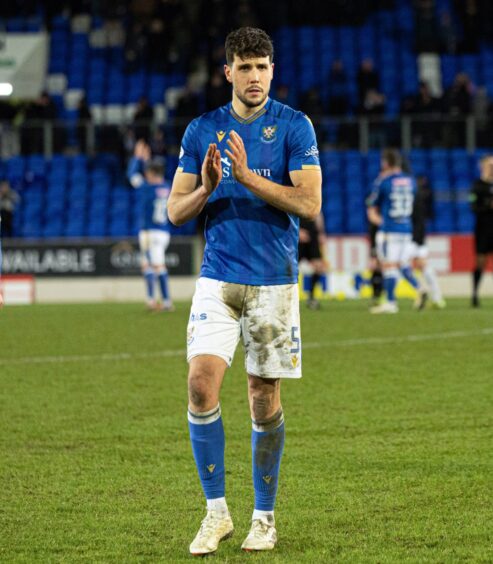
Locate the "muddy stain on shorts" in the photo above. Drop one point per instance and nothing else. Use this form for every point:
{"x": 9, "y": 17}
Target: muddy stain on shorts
{"x": 268, "y": 335}
{"x": 233, "y": 296}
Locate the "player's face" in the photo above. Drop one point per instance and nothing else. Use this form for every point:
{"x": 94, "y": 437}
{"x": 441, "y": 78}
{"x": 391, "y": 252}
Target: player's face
{"x": 251, "y": 79}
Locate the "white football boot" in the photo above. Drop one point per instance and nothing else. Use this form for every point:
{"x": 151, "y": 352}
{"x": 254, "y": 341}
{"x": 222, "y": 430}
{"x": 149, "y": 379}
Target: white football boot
{"x": 262, "y": 536}
{"x": 385, "y": 307}
{"x": 215, "y": 527}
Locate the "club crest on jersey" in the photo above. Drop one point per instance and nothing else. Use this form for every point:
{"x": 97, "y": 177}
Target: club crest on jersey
{"x": 220, "y": 135}
{"x": 269, "y": 133}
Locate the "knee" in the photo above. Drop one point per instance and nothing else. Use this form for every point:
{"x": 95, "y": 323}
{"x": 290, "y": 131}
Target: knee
{"x": 264, "y": 398}
{"x": 201, "y": 393}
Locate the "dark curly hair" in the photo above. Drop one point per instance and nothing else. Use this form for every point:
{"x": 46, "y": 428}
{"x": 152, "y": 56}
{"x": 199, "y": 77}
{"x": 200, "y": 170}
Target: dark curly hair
{"x": 247, "y": 43}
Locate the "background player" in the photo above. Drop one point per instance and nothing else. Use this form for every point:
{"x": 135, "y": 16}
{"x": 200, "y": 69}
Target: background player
{"x": 309, "y": 250}
{"x": 390, "y": 206}
{"x": 482, "y": 206}
{"x": 148, "y": 176}
{"x": 258, "y": 163}
{"x": 422, "y": 210}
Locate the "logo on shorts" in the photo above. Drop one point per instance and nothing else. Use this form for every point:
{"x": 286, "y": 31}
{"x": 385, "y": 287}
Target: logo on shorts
{"x": 295, "y": 360}
{"x": 269, "y": 133}
{"x": 190, "y": 335}
{"x": 198, "y": 317}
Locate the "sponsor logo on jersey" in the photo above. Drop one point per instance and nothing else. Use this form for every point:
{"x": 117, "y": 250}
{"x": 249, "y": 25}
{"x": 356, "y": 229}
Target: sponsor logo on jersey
{"x": 268, "y": 133}
{"x": 311, "y": 152}
{"x": 228, "y": 176}
{"x": 220, "y": 135}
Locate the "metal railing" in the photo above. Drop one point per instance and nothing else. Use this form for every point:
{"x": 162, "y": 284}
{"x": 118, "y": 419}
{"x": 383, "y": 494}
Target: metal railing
{"x": 361, "y": 133}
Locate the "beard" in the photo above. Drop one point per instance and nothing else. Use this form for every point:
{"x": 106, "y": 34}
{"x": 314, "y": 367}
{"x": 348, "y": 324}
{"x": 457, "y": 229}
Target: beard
{"x": 249, "y": 103}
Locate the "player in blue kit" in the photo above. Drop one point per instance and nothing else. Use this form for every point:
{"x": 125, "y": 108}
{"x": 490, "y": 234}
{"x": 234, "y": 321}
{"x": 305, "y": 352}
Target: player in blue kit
{"x": 148, "y": 176}
{"x": 390, "y": 207}
{"x": 253, "y": 167}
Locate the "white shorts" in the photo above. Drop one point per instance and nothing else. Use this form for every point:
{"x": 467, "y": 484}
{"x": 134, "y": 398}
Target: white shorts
{"x": 267, "y": 318}
{"x": 153, "y": 244}
{"x": 394, "y": 247}
{"x": 419, "y": 251}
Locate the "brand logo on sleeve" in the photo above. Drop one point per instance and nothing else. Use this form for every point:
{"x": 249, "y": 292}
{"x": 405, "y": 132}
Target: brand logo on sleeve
{"x": 268, "y": 133}
{"x": 311, "y": 152}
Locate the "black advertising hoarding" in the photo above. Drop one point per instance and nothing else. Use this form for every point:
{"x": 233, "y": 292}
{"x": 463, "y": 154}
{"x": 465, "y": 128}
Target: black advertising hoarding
{"x": 107, "y": 257}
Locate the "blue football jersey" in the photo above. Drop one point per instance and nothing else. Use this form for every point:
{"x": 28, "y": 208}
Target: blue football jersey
{"x": 152, "y": 198}
{"x": 247, "y": 240}
{"x": 394, "y": 196}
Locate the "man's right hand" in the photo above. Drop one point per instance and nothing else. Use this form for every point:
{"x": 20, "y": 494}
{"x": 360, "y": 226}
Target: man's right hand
{"x": 212, "y": 171}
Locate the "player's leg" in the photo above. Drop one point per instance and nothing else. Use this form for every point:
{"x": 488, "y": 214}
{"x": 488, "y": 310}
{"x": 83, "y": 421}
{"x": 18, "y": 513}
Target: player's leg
{"x": 212, "y": 336}
{"x": 476, "y": 278}
{"x": 158, "y": 246}
{"x": 147, "y": 270}
{"x": 207, "y": 438}
{"x": 273, "y": 344}
{"x": 388, "y": 252}
{"x": 267, "y": 448}
{"x": 430, "y": 278}
{"x": 407, "y": 253}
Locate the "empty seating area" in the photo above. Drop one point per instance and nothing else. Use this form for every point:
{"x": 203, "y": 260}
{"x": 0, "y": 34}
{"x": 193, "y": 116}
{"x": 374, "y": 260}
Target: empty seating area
{"x": 348, "y": 176}
{"x": 74, "y": 197}
{"x": 81, "y": 197}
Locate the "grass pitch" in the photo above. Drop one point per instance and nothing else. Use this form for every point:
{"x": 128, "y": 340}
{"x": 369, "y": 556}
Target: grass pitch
{"x": 389, "y": 438}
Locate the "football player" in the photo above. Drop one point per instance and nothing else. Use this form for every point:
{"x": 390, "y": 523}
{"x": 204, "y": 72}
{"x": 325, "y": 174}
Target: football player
{"x": 253, "y": 167}
{"x": 390, "y": 207}
{"x": 147, "y": 175}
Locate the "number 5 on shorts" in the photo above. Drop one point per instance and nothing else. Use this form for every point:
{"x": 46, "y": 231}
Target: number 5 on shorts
{"x": 295, "y": 340}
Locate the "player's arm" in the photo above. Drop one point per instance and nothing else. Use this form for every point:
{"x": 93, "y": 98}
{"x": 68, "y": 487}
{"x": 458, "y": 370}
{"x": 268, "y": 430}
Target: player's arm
{"x": 374, "y": 215}
{"x": 188, "y": 197}
{"x": 142, "y": 153}
{"x": 304, "y": 198}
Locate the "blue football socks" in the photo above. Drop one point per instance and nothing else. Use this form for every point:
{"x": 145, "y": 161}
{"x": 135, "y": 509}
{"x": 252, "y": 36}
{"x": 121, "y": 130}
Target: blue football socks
{"x": 163, "y": 284}
{"x": 389, "y": 283}
{"x": 207, "y": 438}
{"x": 409, "y": 276}
{"x": 267, "y": 447}
{"x": 149, "y": 278}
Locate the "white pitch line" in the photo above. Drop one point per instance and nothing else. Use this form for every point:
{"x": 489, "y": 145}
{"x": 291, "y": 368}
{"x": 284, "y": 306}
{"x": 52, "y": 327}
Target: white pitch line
{"x": 182, "y": 352}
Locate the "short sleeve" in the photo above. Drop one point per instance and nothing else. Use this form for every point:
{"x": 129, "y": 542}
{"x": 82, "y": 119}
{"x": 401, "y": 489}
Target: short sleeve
{"x": 303, "y": 151}
{"x": 189, "y": 159}
{"x": 375, "y": 194}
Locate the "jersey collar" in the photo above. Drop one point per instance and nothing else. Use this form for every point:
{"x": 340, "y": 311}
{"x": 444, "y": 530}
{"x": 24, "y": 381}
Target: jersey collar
{"x": 253, "y": 117}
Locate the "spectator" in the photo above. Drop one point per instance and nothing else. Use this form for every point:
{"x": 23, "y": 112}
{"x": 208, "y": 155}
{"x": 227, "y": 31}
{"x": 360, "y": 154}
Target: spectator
{"x": 84, "y": 118}
{"x": 311, "y": 104}
{"x": 40, "y": 111}
{"x": 338, "y": 90}
{"x": 458, "y": 104}
{"x": 459, "y": 96}
{"x": 217, "y": 91}
{"x": 8, "y": 201}
{"x": 426, "y": 132}
{"x": 482, "y": 110}
{"x": 143, "y": 116}
{"x": 373, "y": 103}
{"x": 186, "y": 107}
{"x": 447, "y": 34}
{"x": 367, "y": 78}
{"x": 285, "y": 95}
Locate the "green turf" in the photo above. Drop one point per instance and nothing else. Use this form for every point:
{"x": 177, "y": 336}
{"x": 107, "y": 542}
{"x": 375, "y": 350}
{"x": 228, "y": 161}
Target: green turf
{"x": 389, "y": 438}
